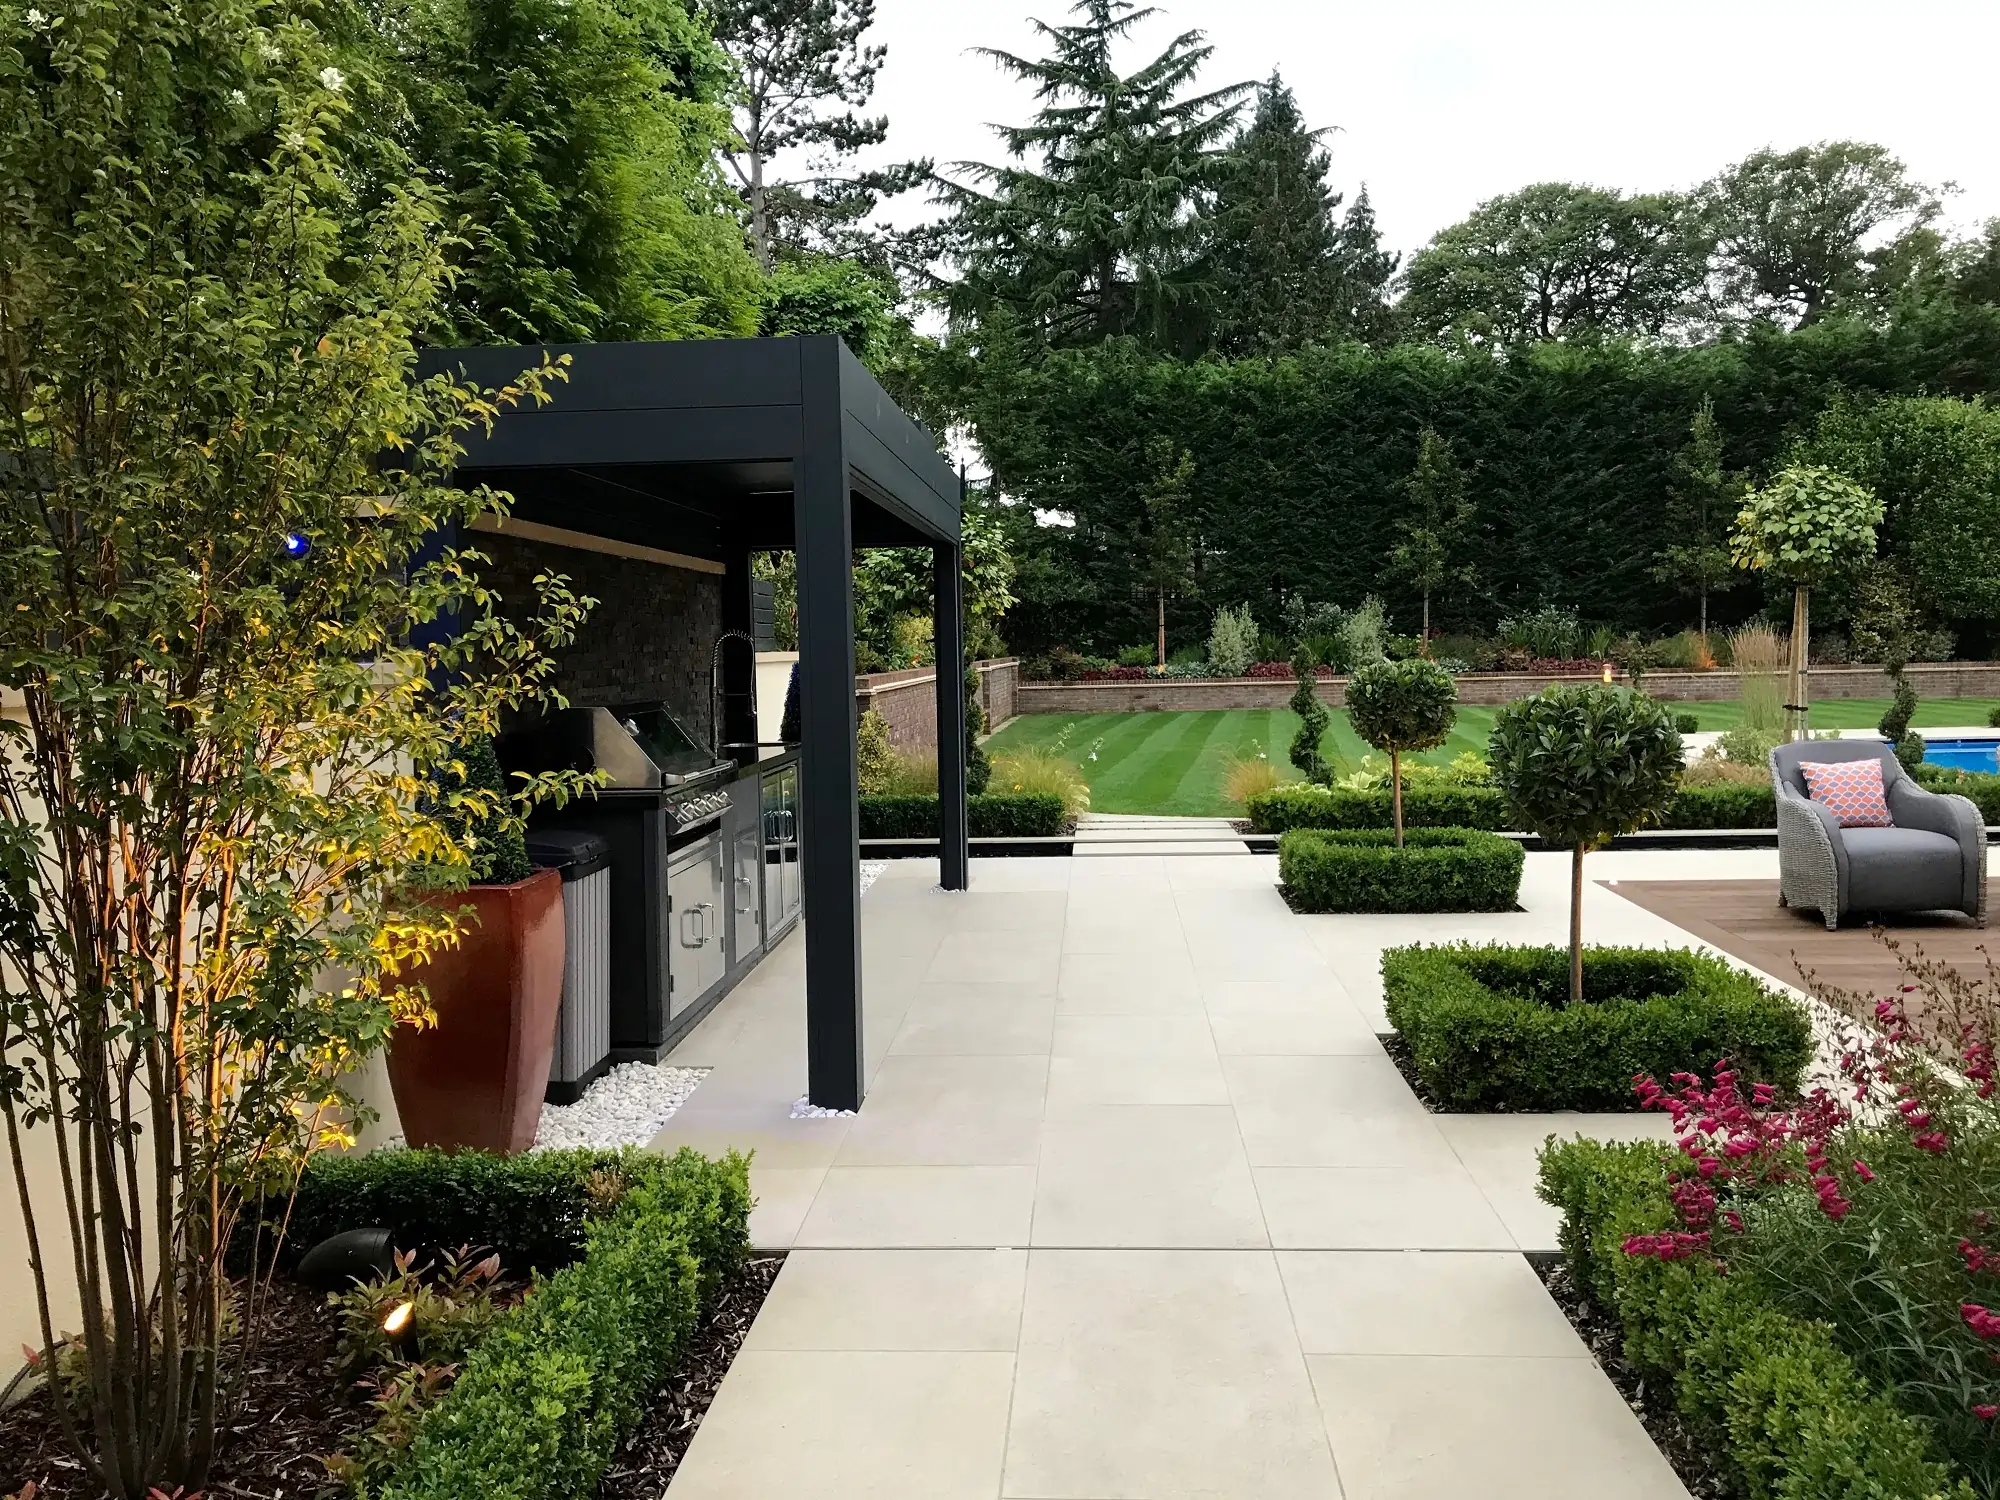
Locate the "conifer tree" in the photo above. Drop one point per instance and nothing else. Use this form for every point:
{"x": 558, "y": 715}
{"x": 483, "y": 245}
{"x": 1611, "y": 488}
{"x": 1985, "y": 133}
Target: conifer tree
{"x": 798, "y": 63}
{"x": 1362, "y": 310}
{"x": 1273, "y": 238}
{"x": 1090, "y": 230}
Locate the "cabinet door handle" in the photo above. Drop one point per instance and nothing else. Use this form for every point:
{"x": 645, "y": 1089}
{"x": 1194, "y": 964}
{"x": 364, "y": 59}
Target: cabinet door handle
{"x": 691, "y": 913}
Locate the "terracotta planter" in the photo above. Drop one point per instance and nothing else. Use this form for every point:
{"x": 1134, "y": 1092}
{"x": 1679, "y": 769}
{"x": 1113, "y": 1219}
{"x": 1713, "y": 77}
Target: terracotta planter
{"x": 476, "y": 1079}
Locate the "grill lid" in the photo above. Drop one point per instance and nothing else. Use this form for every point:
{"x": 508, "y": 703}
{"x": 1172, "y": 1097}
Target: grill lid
{"x": 638, "y": 747}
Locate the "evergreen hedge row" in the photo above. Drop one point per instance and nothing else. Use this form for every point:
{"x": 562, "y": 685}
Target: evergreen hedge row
{"x": 533, "y": 1209}
{"x": 1303, "y": 805}
{"x": 1300, "y": 463}
{"x": 1489, "y": 1028}
{"x": 1772, "y": 1396}
{"x": 993, "y": 815}
{"x": 1438, "y": 870}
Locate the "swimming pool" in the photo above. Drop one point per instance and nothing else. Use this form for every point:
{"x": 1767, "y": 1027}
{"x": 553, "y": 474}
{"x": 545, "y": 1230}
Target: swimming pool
{"x": 1965, "y": 754}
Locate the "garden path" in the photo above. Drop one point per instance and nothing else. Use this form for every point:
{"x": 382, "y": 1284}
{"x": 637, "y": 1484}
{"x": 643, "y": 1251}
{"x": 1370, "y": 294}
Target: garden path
{"x": 1139, "y": 1208}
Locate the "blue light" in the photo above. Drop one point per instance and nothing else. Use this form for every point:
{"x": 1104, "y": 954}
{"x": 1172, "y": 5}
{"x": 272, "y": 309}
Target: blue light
{"x": 296, "y": 545}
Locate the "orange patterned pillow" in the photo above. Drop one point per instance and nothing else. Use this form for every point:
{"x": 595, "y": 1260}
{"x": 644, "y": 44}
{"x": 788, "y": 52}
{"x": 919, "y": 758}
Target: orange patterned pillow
{"x": 1851, "y": 788}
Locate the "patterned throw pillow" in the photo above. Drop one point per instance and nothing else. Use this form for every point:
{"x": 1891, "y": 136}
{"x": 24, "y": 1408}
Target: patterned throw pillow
{"x": 1852, "y": 788}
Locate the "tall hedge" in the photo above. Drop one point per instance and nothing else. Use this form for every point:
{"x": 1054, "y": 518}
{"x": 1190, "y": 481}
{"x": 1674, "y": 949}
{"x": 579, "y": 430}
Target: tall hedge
{"x": 1300, "y": 462}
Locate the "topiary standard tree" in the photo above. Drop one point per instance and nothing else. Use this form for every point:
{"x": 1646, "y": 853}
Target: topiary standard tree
{"x": 1401, "y": 706}
{"x": 1579, "y": 765}
{"x": 1806, "y": 526}
{"x": 1313, "y": 719}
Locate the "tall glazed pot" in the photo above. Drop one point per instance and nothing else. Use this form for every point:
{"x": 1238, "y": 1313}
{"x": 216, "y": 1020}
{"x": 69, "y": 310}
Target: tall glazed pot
{"x": 475, "y": 1080}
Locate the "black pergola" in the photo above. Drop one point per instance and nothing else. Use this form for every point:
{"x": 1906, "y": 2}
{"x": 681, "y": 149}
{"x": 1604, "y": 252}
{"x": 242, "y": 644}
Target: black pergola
{"x": 718, "y": 449}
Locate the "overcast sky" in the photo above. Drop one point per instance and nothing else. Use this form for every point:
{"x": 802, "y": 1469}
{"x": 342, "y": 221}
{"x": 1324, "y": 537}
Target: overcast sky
{"x": 1442, "y": 103}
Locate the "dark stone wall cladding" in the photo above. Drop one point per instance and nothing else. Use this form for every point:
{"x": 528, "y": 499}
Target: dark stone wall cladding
{"x": 647, "y": 639}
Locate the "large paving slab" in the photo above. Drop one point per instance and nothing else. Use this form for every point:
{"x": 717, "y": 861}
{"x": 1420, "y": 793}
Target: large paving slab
{"x": 1139, "y": 1209}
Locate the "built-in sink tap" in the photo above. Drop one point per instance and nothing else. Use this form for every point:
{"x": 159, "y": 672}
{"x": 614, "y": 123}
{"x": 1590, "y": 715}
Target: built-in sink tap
{"x": 715, "y": 687}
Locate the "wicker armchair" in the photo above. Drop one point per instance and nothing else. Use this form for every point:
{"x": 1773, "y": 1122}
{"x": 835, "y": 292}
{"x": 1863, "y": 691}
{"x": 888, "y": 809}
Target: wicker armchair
{"x": 1932, "y": 859}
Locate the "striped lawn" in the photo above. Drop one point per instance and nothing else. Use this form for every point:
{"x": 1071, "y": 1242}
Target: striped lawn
{"x": 1172, "y": 764}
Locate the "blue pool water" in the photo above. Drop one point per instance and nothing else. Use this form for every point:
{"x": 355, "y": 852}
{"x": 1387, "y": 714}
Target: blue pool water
{"x": 1966, "y": 755}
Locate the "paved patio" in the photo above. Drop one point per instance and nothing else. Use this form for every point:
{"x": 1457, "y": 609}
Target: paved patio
{"x": 1138, "y": 1209}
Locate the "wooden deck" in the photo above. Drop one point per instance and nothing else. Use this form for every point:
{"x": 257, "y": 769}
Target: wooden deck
{"x": 1744, "y": 920}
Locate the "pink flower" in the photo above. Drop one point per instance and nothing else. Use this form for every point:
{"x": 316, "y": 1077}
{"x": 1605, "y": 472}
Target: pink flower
{"x": 1986, "y": 1413}
{"x": 1861, "y": 1171}
{"x": 1936, "y": 1142}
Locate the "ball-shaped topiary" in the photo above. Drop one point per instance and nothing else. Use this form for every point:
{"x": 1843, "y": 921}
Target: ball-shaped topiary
{"x": 1580, "y": 765}
{"x": 1806, "y": 526}
{"x": 1401, "y": 706}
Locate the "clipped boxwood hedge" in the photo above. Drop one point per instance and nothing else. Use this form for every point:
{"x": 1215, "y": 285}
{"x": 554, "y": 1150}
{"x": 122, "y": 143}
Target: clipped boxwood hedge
{"x": 1438, "y": 869}
{"x": 543, "y": 1402}
{"x": 992, "y": 815}
{"x": 1772, "y": 1396}
{"x": 1304, "y": 805}
{"x": 532, "y": 1209}
{"x": 1488, "y": 1027}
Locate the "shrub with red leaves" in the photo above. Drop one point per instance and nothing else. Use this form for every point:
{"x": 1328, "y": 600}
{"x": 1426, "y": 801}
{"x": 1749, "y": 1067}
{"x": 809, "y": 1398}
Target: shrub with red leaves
{"x": 1872, "y": 1204}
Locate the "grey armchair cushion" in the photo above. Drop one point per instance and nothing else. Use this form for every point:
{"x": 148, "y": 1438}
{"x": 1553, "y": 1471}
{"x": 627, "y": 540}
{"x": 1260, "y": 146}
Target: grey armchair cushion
{"x": 1902, "y": 869}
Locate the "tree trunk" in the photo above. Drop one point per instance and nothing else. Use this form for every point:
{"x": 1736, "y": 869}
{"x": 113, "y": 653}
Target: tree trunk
{"x": 1704, "y": 618}
{"x": 1396, "y": 792}
{"x": 760, "y": 220}
{"x": 1426, "y": 635}
{"x": 1576, "y": 925}
{"x": 1160, "y": 644}
{"x": 1797, "y": 710}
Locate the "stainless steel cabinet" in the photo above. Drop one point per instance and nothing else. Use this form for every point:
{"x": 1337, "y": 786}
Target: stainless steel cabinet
{"x": 696, "y": 903}
{"x": 781, "y": 848}
{"x": 746, "y": 893}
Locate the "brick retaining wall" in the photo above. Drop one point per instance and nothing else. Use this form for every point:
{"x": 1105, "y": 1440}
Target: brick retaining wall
{"x": 1971, "y": 679}
{"x": 907, "y": 700}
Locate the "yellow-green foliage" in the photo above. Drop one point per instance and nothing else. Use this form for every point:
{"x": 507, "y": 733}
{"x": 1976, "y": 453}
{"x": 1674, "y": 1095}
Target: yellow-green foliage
{"x": 877, "y": 760}
{"x": 1035, "y": 772}
{"x": 1244, "y": 779}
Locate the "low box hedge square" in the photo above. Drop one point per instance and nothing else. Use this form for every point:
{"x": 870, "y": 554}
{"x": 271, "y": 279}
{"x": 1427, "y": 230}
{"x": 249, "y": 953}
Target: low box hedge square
{"x": 991, "y": 815}
{"x": 1488, "y": 1027}
{"x": 1436, "y": 870}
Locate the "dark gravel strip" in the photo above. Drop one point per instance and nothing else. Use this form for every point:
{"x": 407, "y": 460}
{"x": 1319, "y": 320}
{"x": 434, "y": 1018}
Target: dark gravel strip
{"x": 646, "y": 1464}
{"x": 1652, "y": 1401}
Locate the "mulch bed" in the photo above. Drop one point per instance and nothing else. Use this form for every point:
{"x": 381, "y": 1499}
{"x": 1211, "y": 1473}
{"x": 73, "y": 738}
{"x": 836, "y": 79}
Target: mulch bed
{"x": 646, "y": 1464}
{"x": 1652, "y": 1401}
{"x": 294, "y": 1410}
{"x": 269, "y": 1445}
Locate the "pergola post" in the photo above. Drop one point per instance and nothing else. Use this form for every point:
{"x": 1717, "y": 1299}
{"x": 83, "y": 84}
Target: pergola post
{"x": 948, "y": 623}
{"x": 829, "y": 789}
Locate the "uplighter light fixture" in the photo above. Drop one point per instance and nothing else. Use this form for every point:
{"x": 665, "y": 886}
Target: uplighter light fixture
{"x": 1608, "y": 674}
{"x": 399, "y": 1318}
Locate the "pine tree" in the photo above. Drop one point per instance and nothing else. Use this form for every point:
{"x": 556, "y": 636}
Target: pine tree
{"x": 1273, "y": 240}
{"x": 798, "y": 62}
{"x": 1091, "y": 230}
{"x": 1700, "y": 507}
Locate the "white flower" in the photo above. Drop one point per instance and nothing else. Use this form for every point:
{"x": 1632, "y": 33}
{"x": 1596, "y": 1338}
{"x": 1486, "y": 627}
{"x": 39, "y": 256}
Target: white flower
{"x": 36, "y": 19}
{"x": 332, "y": 79}
{"x": 238, "y": 98}
{"x": 267, "y": 50}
